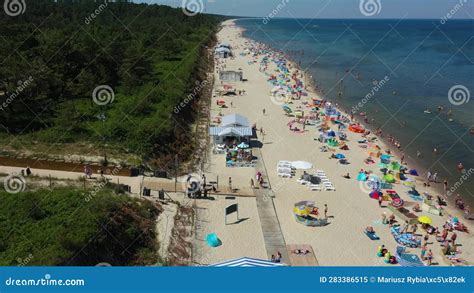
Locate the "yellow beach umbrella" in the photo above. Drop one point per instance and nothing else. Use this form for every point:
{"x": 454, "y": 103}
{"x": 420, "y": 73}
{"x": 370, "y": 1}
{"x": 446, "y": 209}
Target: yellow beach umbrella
{"x": 301, "y": 210}
{"x": 425, "y": 220}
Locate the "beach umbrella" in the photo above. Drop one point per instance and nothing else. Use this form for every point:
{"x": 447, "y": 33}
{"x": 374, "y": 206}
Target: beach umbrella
{"x": 243, "y": 145}
{"x": 413, "y": 172}
{"x": 397, "y": 202}
{"x": 315, "y": 180}
{"x": 382, "y": 165}
{"x": 375, "y": 194}
{"x": 212, "y": 240}
{"x": 395, "y": 166}
{"x": 302, "y": 165}
{"x": 286, "y": 108}
{"x": 389, "y": 178}
{"x": 385, "y": 157}
{"x": 425, "y": 220}
{"x": 361, "y": 177}
{"x": 340, "y": 156}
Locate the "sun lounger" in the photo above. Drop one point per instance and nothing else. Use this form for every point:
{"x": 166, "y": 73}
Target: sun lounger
{"x": 285, "y": 170}
{"x": 315, "y": 187}
{"x": 284, "y": 175}
{"x": 329, "y": 187}
{"x": 284, "y": 165}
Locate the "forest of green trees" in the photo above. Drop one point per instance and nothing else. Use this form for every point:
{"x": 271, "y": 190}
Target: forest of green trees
{"x": 66, "y": 227}
{"x": 54, "y": 55}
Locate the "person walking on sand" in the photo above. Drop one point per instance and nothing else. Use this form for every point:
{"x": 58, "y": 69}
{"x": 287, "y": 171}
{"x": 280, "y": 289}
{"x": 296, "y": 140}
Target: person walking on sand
{"x": 252, "y": 183}
{"x": 230, "y": 183}
{"x": 263, "y": 111}
{"x": 430, "y": 257}
{"x": 435, "y": 177}
{"x": 444, "y": 234}
{"x": 405, "y": 228}
{"x": 423, "y": 252}
{"x": 414, "y": 228}
{"x": 402, "y": 159}
{"x": 445, "y": 183}
{"x": 454, "y": 236}
{"x": 428, "y": 176}
{"x": 325, "y": 211}
{"x": 380, "y": 201}
{"x": 418, "y": 154}
{"x": 279, "y": 257}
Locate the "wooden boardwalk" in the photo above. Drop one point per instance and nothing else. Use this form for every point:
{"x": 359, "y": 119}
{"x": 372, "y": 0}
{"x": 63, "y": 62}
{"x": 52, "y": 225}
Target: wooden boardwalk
{"x": 272, "y": 234}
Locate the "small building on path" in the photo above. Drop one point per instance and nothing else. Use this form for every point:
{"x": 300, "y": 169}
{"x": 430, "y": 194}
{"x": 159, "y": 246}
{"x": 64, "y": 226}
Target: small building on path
{"x": 233, "y": 127}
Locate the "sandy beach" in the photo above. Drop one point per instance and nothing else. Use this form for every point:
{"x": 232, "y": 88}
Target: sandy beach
{"x": 350, "y": 210}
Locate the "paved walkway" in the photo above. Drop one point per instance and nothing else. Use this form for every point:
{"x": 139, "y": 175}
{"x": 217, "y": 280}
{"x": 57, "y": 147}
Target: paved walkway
{"x": 272, "y": 234}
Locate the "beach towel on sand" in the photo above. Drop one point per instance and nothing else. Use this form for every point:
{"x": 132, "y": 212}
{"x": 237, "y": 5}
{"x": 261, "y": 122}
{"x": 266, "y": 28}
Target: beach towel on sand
{"x": 372, "y": 235}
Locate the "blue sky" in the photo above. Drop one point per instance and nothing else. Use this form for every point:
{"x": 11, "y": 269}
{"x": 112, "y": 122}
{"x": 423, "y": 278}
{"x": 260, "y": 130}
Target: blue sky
{"x": 331, "y": 8}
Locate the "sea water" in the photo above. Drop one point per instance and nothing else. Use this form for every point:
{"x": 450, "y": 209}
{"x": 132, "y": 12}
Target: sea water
{"x": 393, "y": 70}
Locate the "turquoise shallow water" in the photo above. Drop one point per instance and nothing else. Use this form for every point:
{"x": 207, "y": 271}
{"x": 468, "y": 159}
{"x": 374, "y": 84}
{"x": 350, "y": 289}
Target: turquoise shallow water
{"x": 421, "y": 61}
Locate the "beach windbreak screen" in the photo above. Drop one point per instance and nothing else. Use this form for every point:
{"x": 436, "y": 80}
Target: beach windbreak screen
{"x": 272, "y": 134}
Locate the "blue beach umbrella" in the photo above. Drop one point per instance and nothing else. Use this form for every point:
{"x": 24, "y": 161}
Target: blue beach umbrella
{"x": 340, "y": 156}
{"x": 361, "y": 177}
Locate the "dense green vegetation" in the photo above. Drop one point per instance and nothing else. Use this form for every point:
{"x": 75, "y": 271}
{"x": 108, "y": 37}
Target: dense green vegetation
{"x": 55, "y": 55}
{"x": 61, "y": 227}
